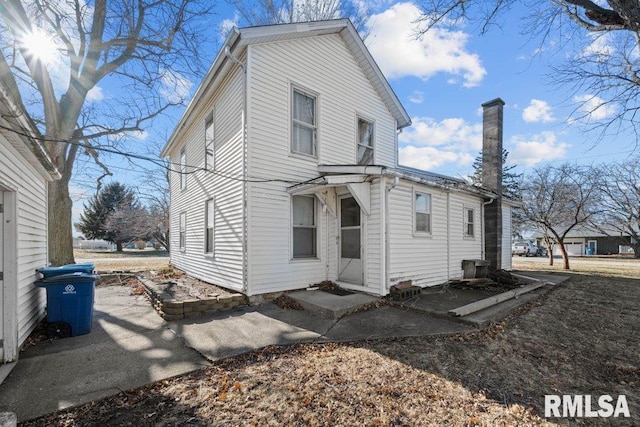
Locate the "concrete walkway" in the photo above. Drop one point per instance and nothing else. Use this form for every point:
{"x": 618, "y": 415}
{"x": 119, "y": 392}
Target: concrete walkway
{"x": 130, "y": 346}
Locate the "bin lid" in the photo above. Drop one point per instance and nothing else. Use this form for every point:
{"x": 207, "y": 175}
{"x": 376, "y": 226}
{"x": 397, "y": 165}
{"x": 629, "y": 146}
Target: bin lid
{"x": 70, "y": 267}
{"x": 77, "y": 277}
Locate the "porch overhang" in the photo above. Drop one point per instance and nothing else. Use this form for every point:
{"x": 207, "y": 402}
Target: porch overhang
{"x": 357, "y": 185}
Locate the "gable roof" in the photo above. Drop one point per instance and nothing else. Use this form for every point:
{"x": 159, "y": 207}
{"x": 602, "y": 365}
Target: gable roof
{"x": 239, "y": 39}
{"x": 17, "y": 128}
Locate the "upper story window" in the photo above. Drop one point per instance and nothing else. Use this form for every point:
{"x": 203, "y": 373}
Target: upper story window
{"x": 303, "y": 209}
{"x": 183, "y": 169}
{"x": 468, "y": 222}
{"x": 303, "y": 119}
{"x": 210, "y": 226}
{"x": 422, "y": 208}
{"x": 365, "y": 142}
{"x": 209, "y": 157}
{"x": 183, "y": 231}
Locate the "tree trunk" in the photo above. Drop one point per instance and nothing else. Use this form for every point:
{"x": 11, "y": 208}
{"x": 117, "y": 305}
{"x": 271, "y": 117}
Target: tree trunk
{"x": 636, "y": 250}
{"x": 565, "y": 256}
{"x": 550, "y": 254}
{"x": 60, "y": 232}
{"x": 118, "y": 246}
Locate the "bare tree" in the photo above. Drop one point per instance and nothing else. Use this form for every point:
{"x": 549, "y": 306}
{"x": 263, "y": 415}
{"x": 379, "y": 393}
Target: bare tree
{"x": 620, "y": 187}
{"x": 603, "y": 71}
{"x": 557, "y": 199}
{"x": 148, "y": 50}
{"x": 266, "y": 12}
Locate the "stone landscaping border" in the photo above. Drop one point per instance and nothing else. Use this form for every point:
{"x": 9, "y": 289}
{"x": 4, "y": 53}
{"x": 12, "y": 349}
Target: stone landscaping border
{"x": 171, "y": 309}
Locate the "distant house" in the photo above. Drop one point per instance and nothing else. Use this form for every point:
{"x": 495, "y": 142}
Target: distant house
{"x": 595, "y": 240}
{"x": 25, "y": 170}
{"x": 287, "y": 174}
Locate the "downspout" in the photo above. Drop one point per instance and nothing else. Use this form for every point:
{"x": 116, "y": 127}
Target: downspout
{"x": 387, "y": 235}
{"x": 448, "y": 235}
{"x": 245, "y": 197}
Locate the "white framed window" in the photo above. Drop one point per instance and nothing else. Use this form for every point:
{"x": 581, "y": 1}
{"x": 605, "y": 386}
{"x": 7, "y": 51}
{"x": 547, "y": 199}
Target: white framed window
{"x": 210, "y": 218}
{"x": 303, "y": 123}
{"x": 469, "y": 221}
{"x": 365, "y": 142}
{"x": 209, "y": 145}
{"x": 183, "y": 169}
{"x": 303, "y": 213}
{"x": 422, "y": 212}
{"x": 183, "y": 231}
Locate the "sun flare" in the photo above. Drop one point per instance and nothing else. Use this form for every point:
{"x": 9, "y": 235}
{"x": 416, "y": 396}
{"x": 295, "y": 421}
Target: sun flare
{"x": 40, "y": 45}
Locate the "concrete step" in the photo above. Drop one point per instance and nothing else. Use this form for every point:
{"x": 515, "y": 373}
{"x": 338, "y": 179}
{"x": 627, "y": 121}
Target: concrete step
{"x": 330, "y": 305}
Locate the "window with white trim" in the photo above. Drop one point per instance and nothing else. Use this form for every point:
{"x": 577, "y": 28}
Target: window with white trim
{"x": 303, "y": 121}
{"x": 422, "y": 209}
{"x": 183, "y": 169}
{"x": 303, "y": 211}
{"x": 365, "y": 142}
{"x": 469, "y": 222}
{"x": 210, "y": 217}
{"x": 209, "y": 153}
{"x": 183, "y": 231}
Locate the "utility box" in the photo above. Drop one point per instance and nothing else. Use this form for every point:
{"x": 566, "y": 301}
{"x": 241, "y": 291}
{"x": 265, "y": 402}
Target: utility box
{"x": 475, "y": 268}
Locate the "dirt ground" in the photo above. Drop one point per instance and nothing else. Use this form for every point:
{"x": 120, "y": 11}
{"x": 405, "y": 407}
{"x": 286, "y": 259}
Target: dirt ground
{"x": 580, "y": 338}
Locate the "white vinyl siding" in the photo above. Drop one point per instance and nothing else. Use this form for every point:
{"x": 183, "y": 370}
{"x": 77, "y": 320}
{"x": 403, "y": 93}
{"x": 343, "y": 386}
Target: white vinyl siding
{"x": 469, "y": 222}
{"x": 30, "y": 200}
{"x": 323, "y": 66}
{"x": 434, "y": 260}
{"x": 364, "y": 149}
{"x": 226, "y": 268}
{"x": 209, "y": 143}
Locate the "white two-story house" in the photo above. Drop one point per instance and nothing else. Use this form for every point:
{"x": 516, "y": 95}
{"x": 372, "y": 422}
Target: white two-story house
{"x": 286, "y": 173}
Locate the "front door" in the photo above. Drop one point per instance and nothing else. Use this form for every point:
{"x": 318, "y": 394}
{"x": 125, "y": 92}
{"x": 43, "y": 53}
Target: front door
{"x": 350, "y": 241}
{"x": 592, "y": 246}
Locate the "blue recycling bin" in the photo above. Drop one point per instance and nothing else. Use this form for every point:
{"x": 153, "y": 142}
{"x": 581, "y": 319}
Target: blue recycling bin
{"x": 590, "y": 250}
{"x": 70, "y": 299}
{"x": 66, "y": 269}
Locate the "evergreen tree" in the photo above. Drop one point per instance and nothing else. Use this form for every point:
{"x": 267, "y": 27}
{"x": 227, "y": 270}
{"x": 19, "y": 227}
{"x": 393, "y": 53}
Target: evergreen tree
{"x": 95, "y": 220}
{"x": 510, "y": 179}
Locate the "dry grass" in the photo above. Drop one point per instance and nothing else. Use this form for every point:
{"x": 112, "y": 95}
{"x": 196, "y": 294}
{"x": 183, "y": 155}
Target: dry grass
{"x": 615, "y": 267}
{"x": 129, "y": 260}
{"x": 581, "y": 338}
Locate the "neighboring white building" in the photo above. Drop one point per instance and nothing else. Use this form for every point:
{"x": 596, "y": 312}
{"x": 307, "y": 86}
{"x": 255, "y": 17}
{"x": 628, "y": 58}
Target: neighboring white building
{"x": 25, "y": 170}
{"x": 287, "y": 173}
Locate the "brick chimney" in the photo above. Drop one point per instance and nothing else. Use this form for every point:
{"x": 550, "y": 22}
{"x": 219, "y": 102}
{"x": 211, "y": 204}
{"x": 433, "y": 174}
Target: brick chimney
{"x": 492, "y": 180}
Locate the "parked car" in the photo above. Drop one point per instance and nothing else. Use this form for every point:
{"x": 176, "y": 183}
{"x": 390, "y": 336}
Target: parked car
{"x": 525, "y": 248}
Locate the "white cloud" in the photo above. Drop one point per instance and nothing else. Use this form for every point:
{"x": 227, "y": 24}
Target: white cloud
{"x": 175, "y": 87}
{"x": 537, "y": 111}
{"x": 227, "y": 25}
{"x": 451, "y": 132}
{"x": 399, "y": 53}
{"x": 417, "y": 97}
{"x": 430, "y": 144}
{"x": 601, "y": 46}
{"x": 593, "y": 107}
{"x": 427, "y": 158}
{"x": 95, "y": 94}
{"x": 529, "y": 151}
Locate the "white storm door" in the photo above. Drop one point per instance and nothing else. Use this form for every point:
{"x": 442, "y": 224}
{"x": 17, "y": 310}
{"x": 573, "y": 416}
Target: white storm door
{"x": 350, "y": 242}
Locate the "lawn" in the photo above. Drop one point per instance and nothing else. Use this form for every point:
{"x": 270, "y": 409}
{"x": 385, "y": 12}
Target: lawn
{"x": 580, "y": 338}
{"x": 127, "y": 260}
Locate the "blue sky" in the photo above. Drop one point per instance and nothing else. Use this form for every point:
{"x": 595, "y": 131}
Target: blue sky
{"x": 442, "y": 79}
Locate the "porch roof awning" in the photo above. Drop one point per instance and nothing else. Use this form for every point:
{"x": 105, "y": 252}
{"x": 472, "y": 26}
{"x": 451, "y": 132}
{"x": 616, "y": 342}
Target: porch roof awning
{"x": 357, "y": 184}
